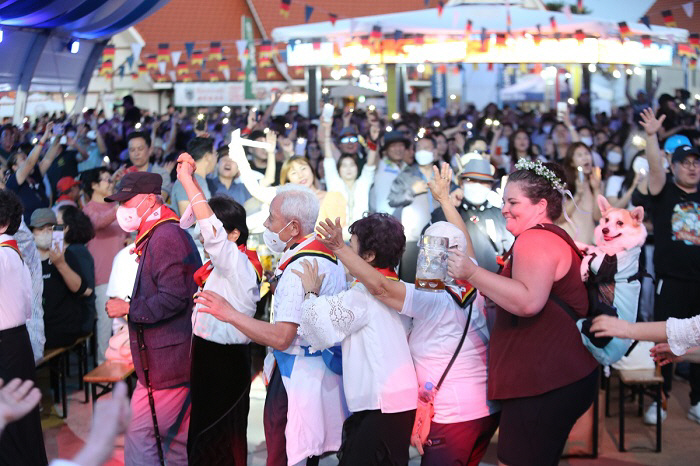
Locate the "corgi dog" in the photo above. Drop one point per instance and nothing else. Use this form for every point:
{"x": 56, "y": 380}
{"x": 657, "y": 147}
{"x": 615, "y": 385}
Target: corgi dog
{"x": 618, "y": 230}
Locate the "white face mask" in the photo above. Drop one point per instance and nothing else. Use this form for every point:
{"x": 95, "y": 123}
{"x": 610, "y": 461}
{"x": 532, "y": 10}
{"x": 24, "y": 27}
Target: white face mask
{"x": 43, "y": 240}
{"x": 587, "y": 140}
{"x": 614, "y": 157}
{"x": 128, "y": 217}
{"x": 273, "y": 241}
{"x": 475, "y": 193}
{"x": 424, "y": 157}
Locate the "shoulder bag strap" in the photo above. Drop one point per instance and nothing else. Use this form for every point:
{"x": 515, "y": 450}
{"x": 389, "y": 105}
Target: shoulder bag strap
{"x": 459, "y": 347}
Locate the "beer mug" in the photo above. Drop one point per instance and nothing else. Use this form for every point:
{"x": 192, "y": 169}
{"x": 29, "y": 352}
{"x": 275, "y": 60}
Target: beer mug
{"x": 431, "y": 270}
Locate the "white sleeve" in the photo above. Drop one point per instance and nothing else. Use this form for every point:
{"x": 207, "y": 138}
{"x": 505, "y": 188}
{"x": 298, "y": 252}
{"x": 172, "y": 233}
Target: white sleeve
{"x": 683, "y": 334}
{"x": 224, "y": 254}
{"x": 327, "y": 320}
{"x": 419, "y": 304}
{"x": 60, "y": 462}
{"x": 333, "y": 181}
{"x": 366, "y": 178}
{"x": 289, "y": 295}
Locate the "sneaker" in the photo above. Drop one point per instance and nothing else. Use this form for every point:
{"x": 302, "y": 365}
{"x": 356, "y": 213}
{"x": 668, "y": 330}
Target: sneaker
{"x": 650, "y": 415}
{"x": 694, "y": 413}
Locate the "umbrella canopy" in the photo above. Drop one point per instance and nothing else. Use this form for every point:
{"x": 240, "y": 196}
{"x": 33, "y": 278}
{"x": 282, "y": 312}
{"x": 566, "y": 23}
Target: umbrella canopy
{"x": 354, "y": 91}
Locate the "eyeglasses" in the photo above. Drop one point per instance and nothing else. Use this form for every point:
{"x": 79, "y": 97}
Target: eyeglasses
{"x": 690, "y": 163}
{"x": 348, "y": 139}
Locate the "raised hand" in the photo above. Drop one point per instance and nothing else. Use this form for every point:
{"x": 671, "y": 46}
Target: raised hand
{"x": 310, "y": 279}
{"x": 271, "y": 139}
{"x": 440, "y": 184}
{"x": 185, "y": 167}
{"x": 17, "y": 399}
{"x": 649, "y": 122}
{"x": 330, "y": 234}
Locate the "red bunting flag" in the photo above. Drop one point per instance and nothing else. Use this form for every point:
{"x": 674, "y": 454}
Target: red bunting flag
{"x": 579, "y": 6}
{"x": 215, "y": 51}
{"x": 419, "y": 40}
{"x": 187, "y": 78}
{"x": 685, "y": 50}
{"x": 376, "y": 32}
{"x": 223, "y": 64}
{"x": 553, "y": 23}
{"x": 108, "y": 53}
{"x": 265, "y": 54}
{"x": 135, "y": 75}
{"x": 538, "y": 36}
{"x": 284, "y": 7}
{"x": 646, "y": 40}
{"x": 669, "y": 20}
{"x": 332, "y": 17}
{"x": 213, "y": 76}
{"x": 692, "y": 63}
{"x": 317, "y": 44}
{"x": 151, "y": 62}
{"x": 579, "y": 35}
{"x": 142, "y": 69}
{"x": 107, "y": 68}
{"x": 490, "y": 67}
{"x": 270, "y": 73}
{"x": 624, "y": 28}
{"x": 163, "y": 52}
{"x": 469, "y": 26}
{"x": 440, "y": 7}
{"x": 240, "y": 75}
{"x": 181, "y": 68}
{"x": 442, "y": 69}
{"x": 197, "y": 57}
{"x": 500, "y": 39}
{"x": 694, "y": 39}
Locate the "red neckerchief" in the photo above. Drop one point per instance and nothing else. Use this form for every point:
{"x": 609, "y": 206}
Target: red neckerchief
{"x": 314, "y": 249}
{"x": 12, "y": 244}
{"x": 388, "y": 273}
{"x": 202, "y": 273}
{"x": 462, "y": 292}
{"x": 147, "y": 227}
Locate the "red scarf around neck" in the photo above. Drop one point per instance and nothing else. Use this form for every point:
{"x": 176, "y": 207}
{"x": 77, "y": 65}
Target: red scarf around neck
{"x": 12, "y": 244}
{"x": 164, "y": 215}
{"x": 202, "y": 274}
{"x": 388, "y": 273}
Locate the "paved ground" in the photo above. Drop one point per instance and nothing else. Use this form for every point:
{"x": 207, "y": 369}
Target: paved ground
{"x": 681, "y": 437}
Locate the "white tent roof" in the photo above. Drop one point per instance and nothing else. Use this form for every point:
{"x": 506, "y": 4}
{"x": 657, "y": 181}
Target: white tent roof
{"x": 354, "y": 91}
{"x": 454, "y": 19}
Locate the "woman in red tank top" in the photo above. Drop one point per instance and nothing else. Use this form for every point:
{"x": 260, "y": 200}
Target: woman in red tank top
{"x": 538, "y": 367}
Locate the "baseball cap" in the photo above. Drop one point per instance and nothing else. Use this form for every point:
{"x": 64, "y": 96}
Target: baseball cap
{"x": 348, "y": 131}
{"x": 136, "y": 183}
{"x": 395, "y": 136}
{"x": 682, "y": 152}
{"x": 41, "y": 217}
{"x": 66, "y": 183}
{"x": 675, "y": 141}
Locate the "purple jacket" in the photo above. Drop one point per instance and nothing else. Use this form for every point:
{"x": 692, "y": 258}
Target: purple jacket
{"x": 162, "y": 302}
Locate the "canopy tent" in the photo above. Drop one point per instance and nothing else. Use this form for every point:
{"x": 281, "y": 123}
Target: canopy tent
{"x": 354, "y": 91}
{"x": 37, "y": 35}
{"x": 453, "y": 19}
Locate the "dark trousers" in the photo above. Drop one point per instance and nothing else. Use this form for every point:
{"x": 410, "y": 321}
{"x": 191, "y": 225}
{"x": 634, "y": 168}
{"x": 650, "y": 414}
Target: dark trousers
{"x": 459, "y": 443}
{"x": 680, "y": 299}
{"x": 373, "y": 438}
{"x": 220, "y": 393}
{"x": 22, "y": 442}
{"x": 534, "y": 429}
{"x": 275, "y": 423}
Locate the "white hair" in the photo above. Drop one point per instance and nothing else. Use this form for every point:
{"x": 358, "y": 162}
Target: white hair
{"x": 299, "y": 203}
{"x": 446, "y": 230}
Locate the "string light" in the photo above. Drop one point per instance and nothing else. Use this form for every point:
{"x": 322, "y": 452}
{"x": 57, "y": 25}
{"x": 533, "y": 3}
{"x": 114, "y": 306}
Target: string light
{"x": 592, "y": 68}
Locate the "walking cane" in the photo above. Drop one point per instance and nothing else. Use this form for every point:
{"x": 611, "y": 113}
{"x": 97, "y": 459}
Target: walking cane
{"x": 149, "y": 388}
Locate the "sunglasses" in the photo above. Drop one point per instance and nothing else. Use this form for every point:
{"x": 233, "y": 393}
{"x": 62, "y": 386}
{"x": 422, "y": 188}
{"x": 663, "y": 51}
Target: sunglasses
{"x": 348, "y": 139}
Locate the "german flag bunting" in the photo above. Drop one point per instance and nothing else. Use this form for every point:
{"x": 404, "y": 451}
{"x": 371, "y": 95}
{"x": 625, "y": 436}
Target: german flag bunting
{"x": 163, "y": 53}
{"x": 624, "y": 28}
{"x": 223, "y": 64}
{"x": 213, "y": 76}
{"x": 215, "y": 51}
{"x": 669, "y": 20}
{"x": 694, "y": 39}
{"x": 151, "y": 62}
{"x": 579, "y": 35}
{"x": 284, "y": 7}
{"x": 108, "y": 53}
{"x": 646, "y": 40}
{"x": 182, "y": 68}
{"x": 142, "y": 69}
{"x": 332, "y": 17}
{"x": 197, "y": 57}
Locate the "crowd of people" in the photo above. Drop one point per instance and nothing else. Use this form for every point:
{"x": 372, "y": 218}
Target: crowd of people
{"x": 160, "y": 228}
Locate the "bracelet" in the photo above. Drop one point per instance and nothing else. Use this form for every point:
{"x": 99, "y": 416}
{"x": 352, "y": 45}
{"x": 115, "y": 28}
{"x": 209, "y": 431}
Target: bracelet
{"x": 195, "y": 196}
{"x": 306, "y": 296}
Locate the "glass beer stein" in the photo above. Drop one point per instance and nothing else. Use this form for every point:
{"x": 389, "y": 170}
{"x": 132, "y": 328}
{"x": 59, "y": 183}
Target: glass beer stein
{"x": 431, "y": 270}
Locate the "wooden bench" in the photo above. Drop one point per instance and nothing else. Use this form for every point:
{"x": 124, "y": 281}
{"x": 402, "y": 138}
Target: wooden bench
{"x": 56, "y": 359}
{"x": 106, "y": 375}
{"x": 642, "y": 382}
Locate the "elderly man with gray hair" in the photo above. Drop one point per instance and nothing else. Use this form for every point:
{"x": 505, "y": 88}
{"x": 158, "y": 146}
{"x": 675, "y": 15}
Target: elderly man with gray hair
{"x": 304, "y": 408}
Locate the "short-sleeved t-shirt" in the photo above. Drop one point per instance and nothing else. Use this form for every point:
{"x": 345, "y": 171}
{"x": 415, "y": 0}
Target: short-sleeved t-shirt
{"x": 32, "y": 193}
{"x": 676, "y": 218}
{"x": 66, "y": 164}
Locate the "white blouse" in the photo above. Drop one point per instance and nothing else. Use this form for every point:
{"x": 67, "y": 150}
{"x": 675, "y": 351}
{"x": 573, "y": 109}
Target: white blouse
{"x": 378, "y": 370}
{"x": 683, "y": 334}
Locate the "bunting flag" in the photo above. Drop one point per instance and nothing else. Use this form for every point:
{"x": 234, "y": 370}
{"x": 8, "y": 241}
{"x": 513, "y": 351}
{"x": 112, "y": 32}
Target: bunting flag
{"x": 197, "y": 57}
{"x": 161, "y": 67}
{"x": 376, "y": 32}
{"x": 120, "y": 72}
{"x": 469, "y": 26}
{"x": 316, "y": 44}
{"x": 266, "y": 53}
{"x": 442, "y": 69}
{"x": 136, "y": 50}
{"x": 130, "y": 62}
{"x": 175, "y": 56}
{"x": 646, "y": 40}
{"x": 579, "y": 6}
{"x": 108, "y": 53}
{"x": 694, "y": 39}
{"x": 284, "y": 7}
{"x": 215, "y": 51}
{"x": 475, "y": 66}
{"x": 142, "y": 69}
{"x": 624, "y": 28}
{"x": 163, "y": 53}
{"x": 107, "y": 68}
{"x": 684, "y": 50}
{"x": 151, "y": 62}
{"x": 199, "y": 75}
{"x": 398, "y": 34}
{"x": 213, "y": 76}
{"x": 692, "y": 63}
{"x": 537, "y": 69}
{"x": 669, "y": 20}
{"x": 227, "y": 73}
{"x": 332, "y": 17}
{"x": 161, "y": 78}
{"x": 240, "y": 75}
{"x": 187, "y": 78}
{"x": 308, "y": 11}
{"x": 182, "y": 68}
{"x": 538, "y": 36}
{"x": 440, "y": 7}
{"x": 419, "y": 39}
{"x": 426, "y": 2}
{"x": 189, "y": 48}
{"x": 553, "y": 23}
{"x": 270, "y": 73}
{"x": 173, "y": 76}
{"x": 135, "y": 75}
{"x": 484, "y": 40}
{"x": 489, "y": 67}
{"x": 500, "y": 39}
{"x": 223, "y": 64}
{"x": 688, "y": 8}
{"x": 579, "y": 35}
{"x": 646, "y": 21}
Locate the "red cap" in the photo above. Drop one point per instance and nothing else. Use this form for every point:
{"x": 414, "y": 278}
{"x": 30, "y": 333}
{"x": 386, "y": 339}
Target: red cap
{"x": 66, "y": 183}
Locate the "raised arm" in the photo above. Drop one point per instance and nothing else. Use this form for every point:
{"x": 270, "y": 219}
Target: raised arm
{"x": 570, "y": 126}
{"x": 264, "y": 194}
{"x": 50, "y": 155}
{"x": 185, "y": 174}
{"x": 657, "y": 174}
{"x": 270, "y": 170}
{"x": 30, "y": 162}
{"x": 440, "y": 188}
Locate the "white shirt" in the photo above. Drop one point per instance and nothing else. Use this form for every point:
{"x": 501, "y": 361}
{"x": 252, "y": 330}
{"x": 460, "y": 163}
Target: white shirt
{"x": 438, "y": 325}
{"x": 30, "y": 254}
{"x": 123, "y": 274}
{"x": 378, "y": 370}
{"x": 387, "y": 171}
{"x": 683, "y": 334}
{"x": 233, "y": 277}
{"x": 357, "y": 197}
{"x": 15, "y": 288}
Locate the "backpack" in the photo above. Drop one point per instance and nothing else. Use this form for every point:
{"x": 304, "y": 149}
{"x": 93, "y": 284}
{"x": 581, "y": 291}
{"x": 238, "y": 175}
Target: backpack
{"x": 610, "y": 292}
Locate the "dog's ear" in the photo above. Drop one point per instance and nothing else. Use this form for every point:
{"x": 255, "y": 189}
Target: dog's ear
{"x": 637, "y": 214}
{"x": 603, "y": 204}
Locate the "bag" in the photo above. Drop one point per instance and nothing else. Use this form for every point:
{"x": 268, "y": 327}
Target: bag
{"x": 119, "y": 349}
{"x": 637, "y": 357}
{"x": 426, "y": 411}
{"x": 605, "y": 350}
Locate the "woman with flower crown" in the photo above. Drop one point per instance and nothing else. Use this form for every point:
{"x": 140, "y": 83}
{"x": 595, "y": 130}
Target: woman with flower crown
{"x": 539, "y": 369}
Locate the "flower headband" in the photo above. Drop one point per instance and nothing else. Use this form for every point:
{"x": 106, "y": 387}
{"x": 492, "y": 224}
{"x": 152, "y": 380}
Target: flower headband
{"x": 541, "y": 170}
